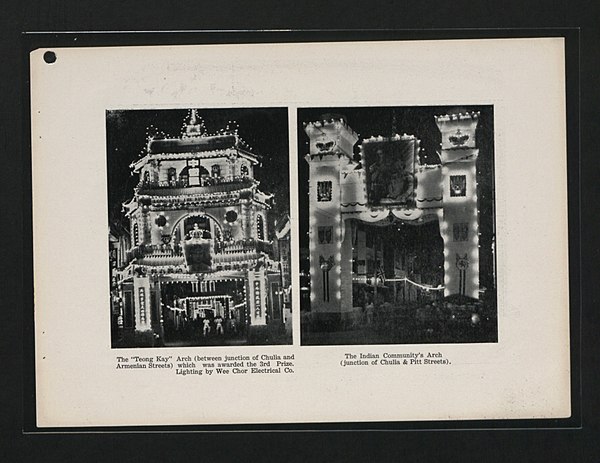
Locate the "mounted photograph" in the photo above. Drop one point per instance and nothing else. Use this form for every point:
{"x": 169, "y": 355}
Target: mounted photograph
{"x": 199, "y": 232}
{"x": 397, "y": 225}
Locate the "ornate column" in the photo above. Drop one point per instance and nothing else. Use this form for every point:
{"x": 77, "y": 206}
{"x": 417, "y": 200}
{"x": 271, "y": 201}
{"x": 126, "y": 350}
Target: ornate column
{"x": 459, "y": 224}
{"x": 331, "y": 147}
{"x": 257, "y": 296}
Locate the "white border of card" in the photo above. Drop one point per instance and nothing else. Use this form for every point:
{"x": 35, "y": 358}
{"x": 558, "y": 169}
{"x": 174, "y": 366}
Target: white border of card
{"x": 526, "y": 374}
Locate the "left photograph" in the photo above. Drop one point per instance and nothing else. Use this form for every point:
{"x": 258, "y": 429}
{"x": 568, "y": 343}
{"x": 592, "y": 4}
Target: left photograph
{"x": 199, "y": 230}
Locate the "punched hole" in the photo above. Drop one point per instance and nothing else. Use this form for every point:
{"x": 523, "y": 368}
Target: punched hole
{"x": 50, "y": 57}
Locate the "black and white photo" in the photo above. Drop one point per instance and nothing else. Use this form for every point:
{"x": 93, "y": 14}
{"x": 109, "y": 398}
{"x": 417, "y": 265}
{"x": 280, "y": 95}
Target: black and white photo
{"x": 199, "y": 236}
{"x": 397, "y": 225}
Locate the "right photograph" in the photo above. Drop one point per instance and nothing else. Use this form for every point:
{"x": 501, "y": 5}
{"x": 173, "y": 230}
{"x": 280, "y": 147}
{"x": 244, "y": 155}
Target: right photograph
{"x": 397, "y": 225}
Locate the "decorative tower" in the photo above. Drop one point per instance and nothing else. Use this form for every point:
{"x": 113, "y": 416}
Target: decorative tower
{"x": 199, "y": 226}
{"x": 330, "y": 152}
{"x": 459, "y": 217}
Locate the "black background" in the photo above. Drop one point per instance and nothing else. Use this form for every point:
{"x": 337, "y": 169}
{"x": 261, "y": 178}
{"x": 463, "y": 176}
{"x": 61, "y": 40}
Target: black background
{"x": 466, "y": 441}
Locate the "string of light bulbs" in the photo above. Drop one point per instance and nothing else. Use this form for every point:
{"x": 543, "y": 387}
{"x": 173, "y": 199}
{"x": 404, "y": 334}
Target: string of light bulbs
{"x": 414, "y": 283}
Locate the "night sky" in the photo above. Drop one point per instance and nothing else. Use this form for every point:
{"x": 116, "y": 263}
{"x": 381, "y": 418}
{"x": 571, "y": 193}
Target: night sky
{"x": 418, "y": 121}
{"x": 265, "y": 130}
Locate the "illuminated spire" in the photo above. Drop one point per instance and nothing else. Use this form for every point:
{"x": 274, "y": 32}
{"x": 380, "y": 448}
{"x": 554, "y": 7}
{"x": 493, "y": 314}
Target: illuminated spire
{"x": 195, "y": 126}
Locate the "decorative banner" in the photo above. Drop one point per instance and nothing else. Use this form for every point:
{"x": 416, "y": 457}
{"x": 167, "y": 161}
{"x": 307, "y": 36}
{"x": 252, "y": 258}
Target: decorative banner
{"x": 325, "y": 234}
{"x": 462, "y": 264}
{"x": 460, "y": 231}
{"x": 326, "y": 265}
{"x": 389, "y": 165}
{"x": 142, "y": 297}
{"x": 458, "y": 185}
{"x": 257, "y": 299}
{"x": 324, "y": 191}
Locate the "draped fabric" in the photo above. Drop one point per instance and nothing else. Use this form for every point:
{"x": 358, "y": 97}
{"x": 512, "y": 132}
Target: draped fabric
{"x": 373, "y": 216}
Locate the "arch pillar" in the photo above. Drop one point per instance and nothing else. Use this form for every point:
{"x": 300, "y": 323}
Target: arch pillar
{"x": 257, "y": 296}
{"x": 331, "y": 149}
{"x": 459, "y": 222}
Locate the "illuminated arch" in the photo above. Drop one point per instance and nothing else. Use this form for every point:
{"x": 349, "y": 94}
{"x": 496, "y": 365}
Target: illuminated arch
{"x": 218, "y": 226}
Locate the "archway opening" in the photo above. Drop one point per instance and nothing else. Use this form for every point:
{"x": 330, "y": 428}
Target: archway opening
{"x": 200, "y": 225}
{"x": 397, "y": 263}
